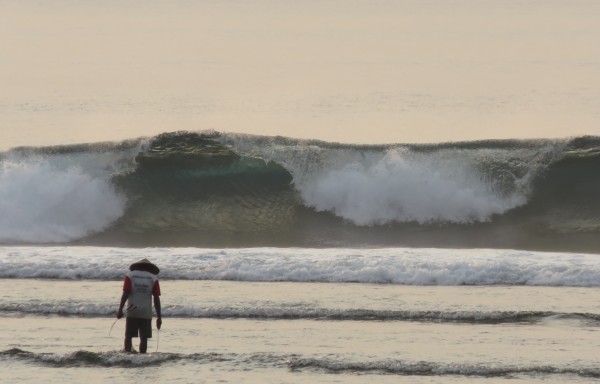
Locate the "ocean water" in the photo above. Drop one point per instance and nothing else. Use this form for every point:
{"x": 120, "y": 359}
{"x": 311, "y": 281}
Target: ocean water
{"x": 295, "y": 261}
{"x": 305, "y": 315}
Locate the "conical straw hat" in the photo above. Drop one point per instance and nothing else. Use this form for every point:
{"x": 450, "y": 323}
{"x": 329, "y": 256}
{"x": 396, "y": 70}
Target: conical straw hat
{"x": 144, "y": 265}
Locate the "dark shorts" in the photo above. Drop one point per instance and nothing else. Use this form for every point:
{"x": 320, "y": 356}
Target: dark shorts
{"x": 135, "y": 326}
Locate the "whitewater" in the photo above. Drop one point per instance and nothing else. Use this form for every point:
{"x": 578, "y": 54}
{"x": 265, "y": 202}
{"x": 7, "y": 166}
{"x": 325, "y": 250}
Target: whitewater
{"x": 409, "y": 266}
{"x": 286, "y": 260}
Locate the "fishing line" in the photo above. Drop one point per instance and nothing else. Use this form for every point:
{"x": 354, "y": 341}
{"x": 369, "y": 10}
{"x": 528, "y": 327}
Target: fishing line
{"x": 157, "y": 338}
{"x": 112, "y": 326}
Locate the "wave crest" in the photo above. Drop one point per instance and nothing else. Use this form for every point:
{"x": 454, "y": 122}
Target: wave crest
{"x": 228, "y": 190}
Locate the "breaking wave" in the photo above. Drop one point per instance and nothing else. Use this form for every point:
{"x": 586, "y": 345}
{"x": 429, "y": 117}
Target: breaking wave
{"x": 230, "y": 190}
{"x": 411, "y": 266}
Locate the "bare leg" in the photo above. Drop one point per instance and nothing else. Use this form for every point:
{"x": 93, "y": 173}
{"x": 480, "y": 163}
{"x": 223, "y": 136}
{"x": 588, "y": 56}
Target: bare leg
{"x": 143, "y": 344}
{"x": 128, "y": 344}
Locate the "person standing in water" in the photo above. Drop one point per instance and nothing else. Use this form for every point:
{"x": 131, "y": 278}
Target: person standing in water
{"x": 140, "y": 285}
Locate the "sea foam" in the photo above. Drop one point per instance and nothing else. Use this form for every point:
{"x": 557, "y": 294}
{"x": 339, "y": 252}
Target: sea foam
{"x": 373, "y": 186}
{"x": 396, "y": 187}
{"x": 413, "y": 266}
{"x": 53, "y": 199}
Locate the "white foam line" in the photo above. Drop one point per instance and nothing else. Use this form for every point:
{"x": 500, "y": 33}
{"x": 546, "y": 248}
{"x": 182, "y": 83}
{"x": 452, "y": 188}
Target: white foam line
{"x": 387, "y": 265}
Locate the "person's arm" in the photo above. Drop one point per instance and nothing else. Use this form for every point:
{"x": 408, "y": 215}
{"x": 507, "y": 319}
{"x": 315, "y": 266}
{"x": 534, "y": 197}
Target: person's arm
{"x": 124, "y": 298}
{"x": 158, "y": 312}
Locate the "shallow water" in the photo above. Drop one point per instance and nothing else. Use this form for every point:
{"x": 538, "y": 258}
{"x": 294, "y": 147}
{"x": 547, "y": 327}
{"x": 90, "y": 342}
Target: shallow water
{"x": 305, "y": 332}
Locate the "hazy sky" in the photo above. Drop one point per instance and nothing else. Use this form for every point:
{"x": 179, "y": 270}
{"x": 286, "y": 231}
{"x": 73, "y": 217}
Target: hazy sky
{"x": 372, "y": 71}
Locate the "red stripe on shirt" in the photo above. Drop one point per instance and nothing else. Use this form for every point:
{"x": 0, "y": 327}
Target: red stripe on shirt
{"x": 127, "y": 284}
